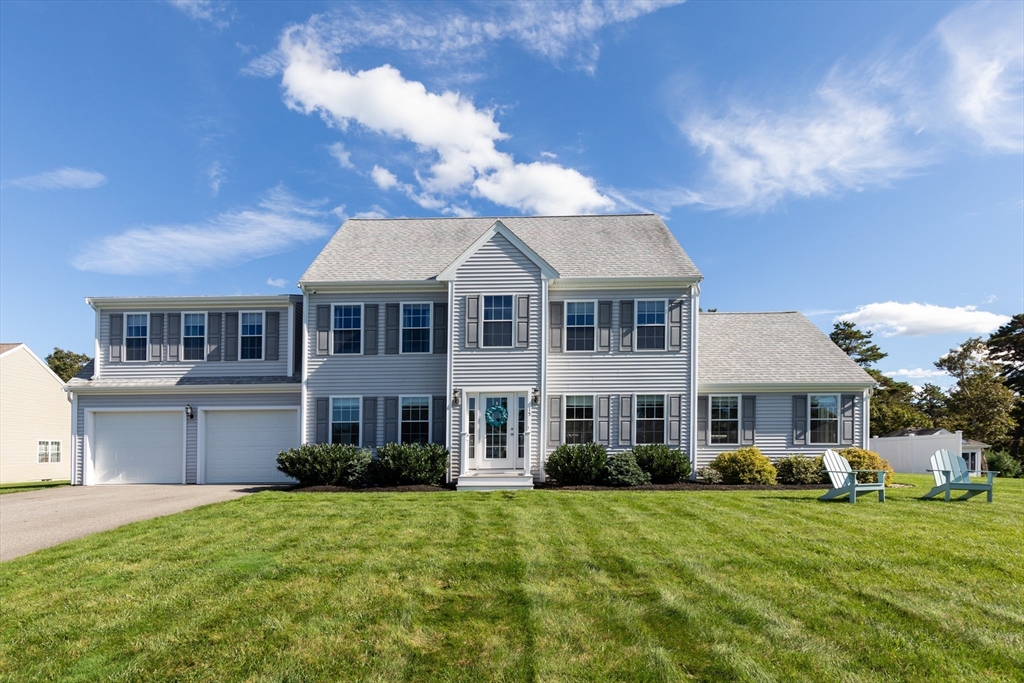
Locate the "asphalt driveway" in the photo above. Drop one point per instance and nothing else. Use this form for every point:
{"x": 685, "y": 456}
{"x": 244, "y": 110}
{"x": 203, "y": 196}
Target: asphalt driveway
{"x": 40, "y": 519}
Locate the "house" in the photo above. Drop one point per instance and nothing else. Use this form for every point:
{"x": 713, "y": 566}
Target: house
{"x": 911, "y": 449}
{"x": 500, "y": 338}
{"x": 35, "y": 418}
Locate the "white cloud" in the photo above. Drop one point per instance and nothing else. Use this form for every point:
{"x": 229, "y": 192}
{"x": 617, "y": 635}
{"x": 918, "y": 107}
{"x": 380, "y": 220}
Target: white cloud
{"x": 217, "y": 13}
{"x": 281, "y": 222}
{"x": 61, "y": 179}
{"x": 339, "y": 212}
{"x": 916, "y": 373}
{"x": 384, "y": 178}
{"x": 548, "y": 155}
{"x": 374, "y": 212}
{"x": 278, "y": 282}
{"x": 338, "y": 151}
{"x": 215, "y": 176}
{"x": 892, "y": 318}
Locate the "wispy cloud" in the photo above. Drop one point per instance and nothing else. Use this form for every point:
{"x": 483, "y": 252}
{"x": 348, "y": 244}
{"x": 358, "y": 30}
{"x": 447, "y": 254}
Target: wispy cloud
{"x": 278, "y": 282}
{"x": 374, "y": 212}
{"x": 916, "y": 373}
{"x": 892, "y": 318}
{"x": 61, "y": 179}
{"x": 217, "y": 13}
{"x": 384, "y": 178}
{"x": 215, "y": 176}
{"x": 279, "y": 223}
{"x": 341, "y": 155}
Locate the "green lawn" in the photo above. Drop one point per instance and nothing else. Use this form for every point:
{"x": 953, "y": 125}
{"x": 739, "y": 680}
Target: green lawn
{"x": 21, "y": 487}
{"x": 535, "y": 585}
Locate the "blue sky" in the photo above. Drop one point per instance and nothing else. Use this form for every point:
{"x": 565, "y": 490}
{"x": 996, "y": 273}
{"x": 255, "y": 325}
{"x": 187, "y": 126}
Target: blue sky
{"x": 858, "y": 160}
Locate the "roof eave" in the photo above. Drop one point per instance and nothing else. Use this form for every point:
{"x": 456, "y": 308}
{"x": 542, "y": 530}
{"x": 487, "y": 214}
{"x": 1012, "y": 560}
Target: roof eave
{"x": 768, "y": 387}
{"x": 97, "y": 302}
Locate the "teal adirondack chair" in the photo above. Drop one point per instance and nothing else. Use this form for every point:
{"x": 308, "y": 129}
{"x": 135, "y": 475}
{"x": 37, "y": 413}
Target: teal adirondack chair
{"x": 951, "y": 474}
{"x": 844, "y": 479}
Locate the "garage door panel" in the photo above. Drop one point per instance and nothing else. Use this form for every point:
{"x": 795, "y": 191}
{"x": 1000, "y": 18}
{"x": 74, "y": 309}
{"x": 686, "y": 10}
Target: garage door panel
{"x": 241, "y": 446}
{"x": 138, "y": 447}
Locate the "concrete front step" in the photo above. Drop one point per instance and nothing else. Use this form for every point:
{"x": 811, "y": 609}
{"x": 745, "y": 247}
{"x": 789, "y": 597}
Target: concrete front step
{"x": 494, "y": 482}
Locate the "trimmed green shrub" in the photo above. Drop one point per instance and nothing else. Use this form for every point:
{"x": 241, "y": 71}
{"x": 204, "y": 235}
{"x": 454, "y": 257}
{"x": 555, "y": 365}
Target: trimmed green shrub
{"x": 326, "y": 464}
{"x": 745, "y": 466}
{"x": 578, "y": 464}
{"x": 1004, "y": 463}
{"x": 861, "y": 459}
{"x": 710, "y": 475}
{"x": 800, "y": 469}
{"x": 664, "y": 465}
{"x": 405, "y": 464}
{"x": 623, "y": 470}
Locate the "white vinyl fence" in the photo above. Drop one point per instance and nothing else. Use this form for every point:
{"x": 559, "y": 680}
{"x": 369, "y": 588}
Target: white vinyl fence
{"x": 913, "y": 453}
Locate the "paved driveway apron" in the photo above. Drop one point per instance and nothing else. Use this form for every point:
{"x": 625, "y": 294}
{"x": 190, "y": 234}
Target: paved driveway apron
{"x": 40, "y": 519}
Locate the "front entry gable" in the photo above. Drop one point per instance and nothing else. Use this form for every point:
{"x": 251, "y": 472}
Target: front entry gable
{"x": 501, "y": 238}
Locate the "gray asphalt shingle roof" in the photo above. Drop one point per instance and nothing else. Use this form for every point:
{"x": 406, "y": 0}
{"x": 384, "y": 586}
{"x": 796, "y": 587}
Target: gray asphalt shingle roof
{"x": 576, "y": 246}
{"x": 755, "y": 348}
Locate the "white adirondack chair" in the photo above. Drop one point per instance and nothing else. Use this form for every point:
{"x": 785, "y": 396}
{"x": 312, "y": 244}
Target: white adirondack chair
{"x": 951, "y": 474}
{"x": 844, "y": 479}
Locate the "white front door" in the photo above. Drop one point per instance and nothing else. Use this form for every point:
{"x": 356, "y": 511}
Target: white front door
{"x": 497, "y": 424}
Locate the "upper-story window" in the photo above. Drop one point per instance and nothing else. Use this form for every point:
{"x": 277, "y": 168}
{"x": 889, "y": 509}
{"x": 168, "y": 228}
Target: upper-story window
{"x": 415, "y": 419}
{"x": 725, "y": 419}
{"x": 579, "y": 326}
{"x": 824, "y": 417}
{"x": 579, "y": 419}
{"x": 650, "y": 325}
{"x": 498, "y": 320}
{"x": 194, "y": 339}
{"x": 415, "y": 328}
{"x": 348, "y": 327}
{"x": 650, "y": 418}
{"x": 136, "y": 330}
{"x": 345, "y": 420}
{"x": 252, "y": 336}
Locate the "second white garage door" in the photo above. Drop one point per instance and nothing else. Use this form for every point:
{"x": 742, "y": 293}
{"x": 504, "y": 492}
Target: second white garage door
{"x": 241, "y": 446}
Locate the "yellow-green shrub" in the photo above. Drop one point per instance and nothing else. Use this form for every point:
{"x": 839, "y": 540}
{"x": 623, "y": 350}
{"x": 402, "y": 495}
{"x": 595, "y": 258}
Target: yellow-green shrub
{"x": 745, "y": 466}
{"x": 861, "y": 459}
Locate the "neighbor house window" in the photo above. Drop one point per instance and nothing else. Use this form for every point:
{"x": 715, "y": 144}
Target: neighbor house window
{"x": 497, "y": 321}
{"x": 135, "y": 331}
{"x": 725, "y": 419}
{"x": 824, "y": 415}
{"x": 416, "y": 419}
{"x": 348, "y": 327}
{"x": 49, "y": 451}
{"x": 345, "y": 421}
{"x": 252, "y": 336}
{"x": 650, "y": 418}
{"x": 415, "y": 328}
{"x": 472, "y": 426}
{"x": 195, "y": 336}
{"x": 579, "y": 326}
{"x": 521, "y": 433}
{"x": 579, "y": 419}
{"x": 650, "y": 324}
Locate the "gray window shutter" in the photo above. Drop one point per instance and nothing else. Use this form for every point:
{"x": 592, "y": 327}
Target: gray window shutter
{"x": 847, "y": 402}
{"x": 273, "y": 336}
{"x": 626, "y": 419}
{"x": 604, "y": 420}
{"x": 675, "y": 419}
{"x": 323, "y": 330}
{"x": 390, "y": 419}
{"x": 213, "y": 336}
{"x": 392, "y": 328}
{"x": 370, "y": 327}
{"x": 626, "y": 320}
{"x": 299, "y": 348}
{"x": 156, "y": 336}
{"x": 554, "y": 421}
{"x": 702, "y": 420}
{"x": 438, "y": 416}
{"x": 523, "y": 321}
{"x": 440, "y": 328}
{"x": 748, "y": 431}
{"x": 174, "y": 336}
{"x": 556, "y": 325}
{"x": 322, "y": 420}
{"x": 369, "y": 427}
{"x": 604, "y": 325}
{"x": 800, "y": 420}
{"x": 472, "y": 340}
{"x": 675, "y": 326}
{"x": 230, "y": 336}
{"x": 116, "y": 342}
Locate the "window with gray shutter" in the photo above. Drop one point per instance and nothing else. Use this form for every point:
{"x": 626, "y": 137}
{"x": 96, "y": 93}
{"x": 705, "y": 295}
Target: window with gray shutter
{"x": 626, "y": 325}
{"x": 472, "y": 340}
{"x": 604, "y": 420}
{"x": 523, "y": 321}
{"x": 174, "y": 337}
{"x": 675, "y": 326}
{"x": 626, "y": 416}
{"x": 392, "y": 328}
{"x": 230, "y": 336}
{"x": 370, "y": 327}
{"x": 273, "y": 336}
{"x": 604, "y": 325}
{"x": 556, "y": 325}
{"x": 800, "y": 420}
{"x": 554, "y": 421}
{"x": 440, "y": 328}
{"x": 748, "y": 430}
{"x": 156, "y": 336}
{"x": 702, "y": 420}
{"x": 390, "y": 419}
{"x": 438, "y": 417}
{"x": 846, "y": 414}
{"x": 370, "y": 422}
{"x": 675, "y": 419}
{"x": 299, "y": 347}
{"x": 213, "y": 336}
{"x": 323, "y": 330}
{"x": 322, "y": 420}
{"x": 116, "y": 341}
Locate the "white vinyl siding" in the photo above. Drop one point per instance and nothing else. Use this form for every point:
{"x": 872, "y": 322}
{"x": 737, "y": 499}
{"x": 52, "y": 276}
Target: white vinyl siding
{"x": 33, "y": 409}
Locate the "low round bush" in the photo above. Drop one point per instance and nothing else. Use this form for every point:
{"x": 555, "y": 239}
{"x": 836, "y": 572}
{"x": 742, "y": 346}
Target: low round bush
{"x": 745, "y": 466}
{"x": 577, "y": 464}
{"x": 407, "y": 464}
{"x": 326, "y": 464}
{"x": 861, "y": 459}
{"x": 1004, "y": 463}
{"x": 710, "y": 475}
{"x": 800, "y": 469}
{"x": 623, "y": 470}
{"x": 664, "y": 465}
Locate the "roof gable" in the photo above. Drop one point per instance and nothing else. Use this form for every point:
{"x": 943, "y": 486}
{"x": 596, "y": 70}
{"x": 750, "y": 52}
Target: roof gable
{"x": 546, "y": 271}
{"x": 7, "y": 349}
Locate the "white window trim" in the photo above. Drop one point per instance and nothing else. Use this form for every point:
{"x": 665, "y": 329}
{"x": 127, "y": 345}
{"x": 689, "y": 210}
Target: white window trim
{"x": 839, "y": 421}
{"x": 362, "y": 328}
{"x": 565, "y": 415}
{"x": 483, "y": 321}
{"x": 206, "y": 322}
{"x": 430, "y": 415}
{"x": 263, "y": 335}
{"x": 49, "y": 443}
{"x": 565, "y": 326}
{"x": 739, "y": 419}
{"x": 124, "y": 337}
{"x": 636, "y": 328}
{"x": 331, "y": 422}
{"x": 636, "y": 406}
{"x": 430, "y": 327}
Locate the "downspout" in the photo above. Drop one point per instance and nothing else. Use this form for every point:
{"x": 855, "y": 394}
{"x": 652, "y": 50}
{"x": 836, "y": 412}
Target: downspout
{"x": 541, "y": 431}
{"x": 695, "y": 329}
{"x": 303, "y": 412}
{"x": 450, "y": 437}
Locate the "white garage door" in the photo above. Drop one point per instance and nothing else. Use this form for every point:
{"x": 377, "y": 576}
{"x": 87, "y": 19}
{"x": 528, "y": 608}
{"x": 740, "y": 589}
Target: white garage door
{"x": 138, "y": 447}
{"x": 241, "y": 446}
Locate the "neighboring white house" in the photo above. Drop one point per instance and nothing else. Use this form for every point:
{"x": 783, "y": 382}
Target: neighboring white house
{"x": 35, "y": 419}
{"x": 910, "y": 450}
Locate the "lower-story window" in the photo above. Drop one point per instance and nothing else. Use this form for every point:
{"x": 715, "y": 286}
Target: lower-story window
{"x": 345, "y": 421}
{"x": 650, "y": 418}
{"x": 415, "y": 419}
{"x": 725, "y": 420}
{"x": 824, "y": 417}
{"x": 579, "y": 419}
{"x": 49, "y": 451}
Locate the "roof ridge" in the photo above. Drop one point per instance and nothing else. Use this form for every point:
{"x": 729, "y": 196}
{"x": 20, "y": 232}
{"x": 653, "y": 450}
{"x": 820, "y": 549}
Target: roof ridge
{"x": 475, "y": 218}
{"x": 747, "y": 312}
